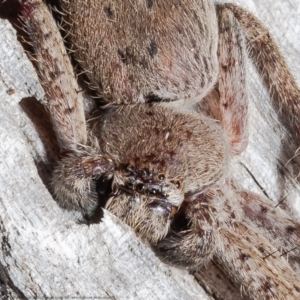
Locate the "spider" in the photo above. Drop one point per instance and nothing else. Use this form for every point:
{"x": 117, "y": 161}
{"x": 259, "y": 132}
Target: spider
{"x": 164, "y": 169}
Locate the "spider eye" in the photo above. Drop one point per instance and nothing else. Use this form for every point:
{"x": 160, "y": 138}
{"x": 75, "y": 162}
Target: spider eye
{"x": 140, "y": 187}
{"x": 164, "y": 195}
{"x": 177, "y": 183}
{"x": 153, "y": 192}
{"x": 161, "y": 176}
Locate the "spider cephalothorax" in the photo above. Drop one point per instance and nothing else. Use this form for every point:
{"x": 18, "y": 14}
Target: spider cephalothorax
{"x": 149, "y": 154}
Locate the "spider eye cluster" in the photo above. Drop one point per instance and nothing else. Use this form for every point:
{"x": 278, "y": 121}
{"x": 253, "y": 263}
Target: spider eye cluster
{"x": 152, "y": 190}
{"x": 146, "y": 183}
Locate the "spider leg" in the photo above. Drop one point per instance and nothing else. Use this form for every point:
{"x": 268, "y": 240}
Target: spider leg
{"x": 276, "y": 224}
{"x": 271, "y": 65}
{"x": 239, "y": 248}
{"x": 247, "y": 254}
{"x": 255, "y": 263}
{"x": 232, "y": 80}
{"x": 73, "y": 181}
{"x": 56, "y": 75}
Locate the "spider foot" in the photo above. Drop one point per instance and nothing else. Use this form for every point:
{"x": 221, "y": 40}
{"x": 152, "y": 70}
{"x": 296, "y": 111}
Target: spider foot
{"x": 191, "y": 242}
{"x": 75, "y": 181}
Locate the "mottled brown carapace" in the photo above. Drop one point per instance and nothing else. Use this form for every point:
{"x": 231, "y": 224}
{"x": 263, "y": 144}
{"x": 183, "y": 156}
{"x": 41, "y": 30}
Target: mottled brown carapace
{"x": 164, "y": 168}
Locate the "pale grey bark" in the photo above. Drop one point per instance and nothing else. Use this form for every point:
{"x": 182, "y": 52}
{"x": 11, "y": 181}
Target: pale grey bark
{"x": 46, "y": 252}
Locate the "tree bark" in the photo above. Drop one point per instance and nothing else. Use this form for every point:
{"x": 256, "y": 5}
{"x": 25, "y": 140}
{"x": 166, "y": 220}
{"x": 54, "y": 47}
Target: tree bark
{"x": 47, "y": 253}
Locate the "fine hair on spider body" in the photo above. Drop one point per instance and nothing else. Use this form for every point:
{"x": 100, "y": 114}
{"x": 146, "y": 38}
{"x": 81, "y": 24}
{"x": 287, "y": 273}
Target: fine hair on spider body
{"x": 165, "y": 170}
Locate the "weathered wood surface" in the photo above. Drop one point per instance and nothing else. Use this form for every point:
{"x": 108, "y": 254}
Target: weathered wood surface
{"x": 46, "y": 252}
